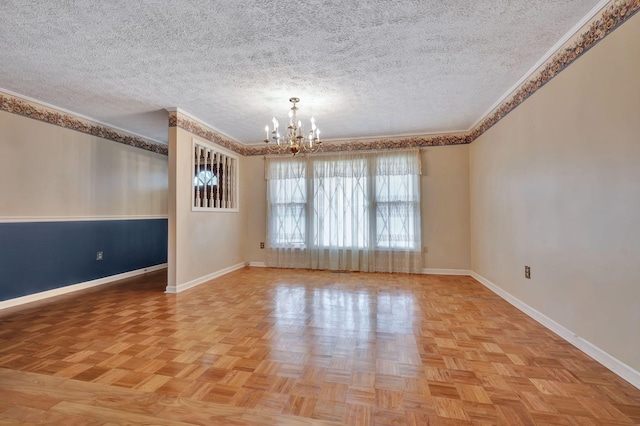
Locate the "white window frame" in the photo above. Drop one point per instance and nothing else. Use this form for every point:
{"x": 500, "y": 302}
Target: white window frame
{"x": 371, "y": 209}
{"x": 375, "y": 203}
{"x": 235, "y": 177}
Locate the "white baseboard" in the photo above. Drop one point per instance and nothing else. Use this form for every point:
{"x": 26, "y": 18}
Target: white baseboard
{"x": 198, "y": 281}
{"x": 75, "y": 287}
{"x": 431, "y": 271}
{"x": 434, "y": 271}
{"x": 618, "y": 367}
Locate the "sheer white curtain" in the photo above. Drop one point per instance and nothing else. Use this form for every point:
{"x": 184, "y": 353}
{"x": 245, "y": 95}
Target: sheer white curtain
{"x": 347, "y": 211}
{"x": 286, "y": 211}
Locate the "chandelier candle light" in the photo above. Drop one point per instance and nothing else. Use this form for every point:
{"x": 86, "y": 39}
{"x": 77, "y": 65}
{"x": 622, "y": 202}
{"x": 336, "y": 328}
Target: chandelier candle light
{"x": 295, "y": 140}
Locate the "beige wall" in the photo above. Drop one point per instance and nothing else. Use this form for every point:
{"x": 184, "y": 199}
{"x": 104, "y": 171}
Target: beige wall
{"x": 254, "y": 197}
{"x": 445, "y": 207}
{"x": 556, "y": 185}
{"x": 200, "y": 243}
{"x": 46, "y": 170}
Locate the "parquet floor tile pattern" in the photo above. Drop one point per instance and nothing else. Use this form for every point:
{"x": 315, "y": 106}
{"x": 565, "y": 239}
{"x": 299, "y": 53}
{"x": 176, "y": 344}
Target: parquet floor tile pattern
{"x": 277, "y": 346}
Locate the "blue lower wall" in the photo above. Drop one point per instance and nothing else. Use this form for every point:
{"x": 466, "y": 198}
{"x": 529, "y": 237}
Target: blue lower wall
{"x": 40, "y": 256}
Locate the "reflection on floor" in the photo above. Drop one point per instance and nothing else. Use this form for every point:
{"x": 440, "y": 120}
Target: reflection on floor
{"x": 269, "y": 346}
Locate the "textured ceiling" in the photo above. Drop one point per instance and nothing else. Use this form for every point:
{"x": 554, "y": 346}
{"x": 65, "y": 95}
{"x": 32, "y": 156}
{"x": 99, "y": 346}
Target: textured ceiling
{"x": 363, "y": 68}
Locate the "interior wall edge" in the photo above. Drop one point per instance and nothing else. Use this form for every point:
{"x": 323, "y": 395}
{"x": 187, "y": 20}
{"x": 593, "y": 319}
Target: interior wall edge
{"x": 185, "y": 121}
{"x": 192, "y": 233}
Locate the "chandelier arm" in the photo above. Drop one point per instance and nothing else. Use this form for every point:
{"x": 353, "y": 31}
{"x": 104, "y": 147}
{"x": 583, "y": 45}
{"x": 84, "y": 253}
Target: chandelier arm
{"x": 295, "y": 140}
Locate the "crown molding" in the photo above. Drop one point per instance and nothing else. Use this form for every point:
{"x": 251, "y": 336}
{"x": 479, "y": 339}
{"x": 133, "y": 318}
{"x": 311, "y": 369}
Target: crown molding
{"x": 604, "y": 23}
{"x": 27, "y": 107}
{"x": 179, "y": 110}
{"x": 185, "y": 121}
{"x": 546, "y": 57}
{"x": 602, "y": 20}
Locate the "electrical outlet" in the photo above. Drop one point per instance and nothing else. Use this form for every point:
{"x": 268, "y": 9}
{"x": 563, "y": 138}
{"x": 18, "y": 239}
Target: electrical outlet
{"x": 99, "y": 255}
{"x": 425, "y": 249}
{"x": 261, "y": 245}
{"x": 527, "y": 272}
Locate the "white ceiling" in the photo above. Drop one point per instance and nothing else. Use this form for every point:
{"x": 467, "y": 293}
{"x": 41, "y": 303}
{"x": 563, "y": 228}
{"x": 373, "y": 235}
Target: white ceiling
{"x": 363, "y": 68}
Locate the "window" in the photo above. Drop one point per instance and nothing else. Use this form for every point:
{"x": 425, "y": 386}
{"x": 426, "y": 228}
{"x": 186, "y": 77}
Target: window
{"x": 205, "y": 178}
{"x": 395, "y": 204}
{"x": 289, "y": 212}
{"x": 287, "y": 203}
{"x": 215, "y": 177}
{"x": 340, "y": 204}
{"x": 355, "y": 201}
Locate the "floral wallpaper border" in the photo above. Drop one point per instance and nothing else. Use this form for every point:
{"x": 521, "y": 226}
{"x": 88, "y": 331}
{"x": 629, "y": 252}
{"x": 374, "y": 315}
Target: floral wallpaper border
{"x": 25, "y": 108}
{"x": 177, "y": 119}
{"x": 610, "y": 18}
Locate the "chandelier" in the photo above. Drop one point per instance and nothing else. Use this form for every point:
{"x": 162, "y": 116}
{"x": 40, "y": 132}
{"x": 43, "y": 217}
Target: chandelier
{"x": 294, "y": 140}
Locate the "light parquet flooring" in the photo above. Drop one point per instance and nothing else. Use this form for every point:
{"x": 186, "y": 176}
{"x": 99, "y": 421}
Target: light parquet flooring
{"x": 264, "y": 346}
